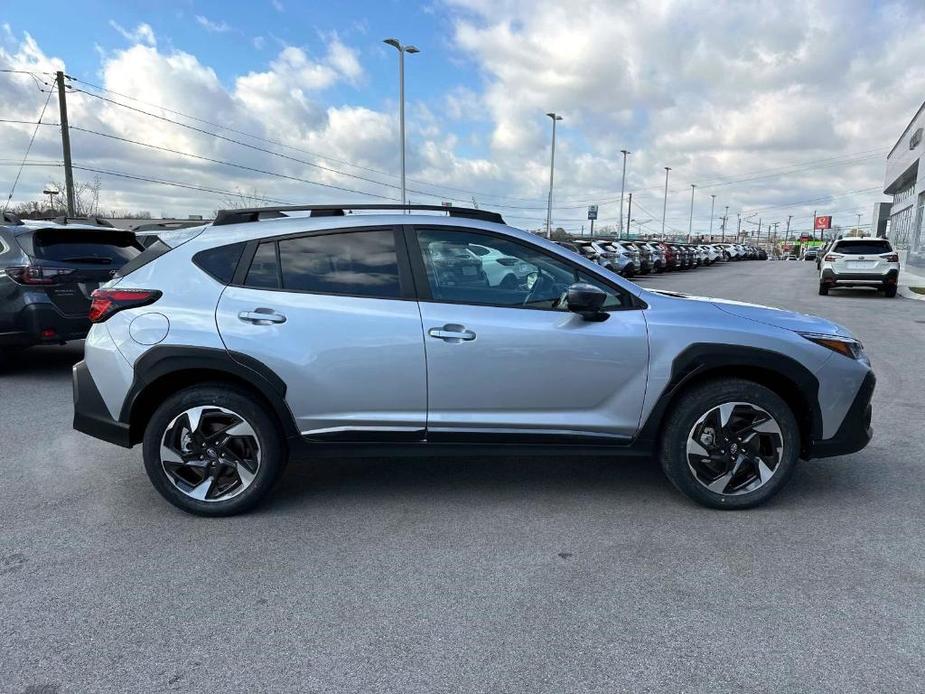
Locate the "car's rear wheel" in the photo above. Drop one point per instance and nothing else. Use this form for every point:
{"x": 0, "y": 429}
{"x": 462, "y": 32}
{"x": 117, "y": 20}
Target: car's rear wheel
{"x": 730, "y": 444}
{"x": 823, "y": 289}
{"x": 212, "y": 450}
{"x": 889, "y": 290}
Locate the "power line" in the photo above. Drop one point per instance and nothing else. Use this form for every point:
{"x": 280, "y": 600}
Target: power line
{"x": 229, "y": 163}
{"x": 28, "y": 149}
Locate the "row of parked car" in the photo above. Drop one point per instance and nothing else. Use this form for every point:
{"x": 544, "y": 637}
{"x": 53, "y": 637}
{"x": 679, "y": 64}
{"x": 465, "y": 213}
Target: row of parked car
{"x": 629, "y": 258}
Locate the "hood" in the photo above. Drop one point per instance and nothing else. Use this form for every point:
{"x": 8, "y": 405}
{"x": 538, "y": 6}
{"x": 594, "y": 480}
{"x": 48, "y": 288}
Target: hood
{"x": 779, "y": 318}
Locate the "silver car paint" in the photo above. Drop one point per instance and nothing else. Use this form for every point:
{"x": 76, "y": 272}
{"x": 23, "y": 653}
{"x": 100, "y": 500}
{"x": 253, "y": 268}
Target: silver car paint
{"x": 385, "y": 393}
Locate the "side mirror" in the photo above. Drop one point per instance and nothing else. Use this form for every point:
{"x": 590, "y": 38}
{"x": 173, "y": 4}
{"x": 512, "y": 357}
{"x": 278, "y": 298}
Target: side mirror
{"x": 586, "y": 300}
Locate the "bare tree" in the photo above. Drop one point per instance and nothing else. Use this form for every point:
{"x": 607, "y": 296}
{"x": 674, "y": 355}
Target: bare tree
{"x": 241, "y": 199}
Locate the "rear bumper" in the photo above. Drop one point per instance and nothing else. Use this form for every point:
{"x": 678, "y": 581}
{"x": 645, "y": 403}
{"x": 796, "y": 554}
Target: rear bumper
{"x": 855, "y": 431}
{"x": 39, "y": 324}
{"x": 91, "y": 416}
{"x": 829, "y": 276}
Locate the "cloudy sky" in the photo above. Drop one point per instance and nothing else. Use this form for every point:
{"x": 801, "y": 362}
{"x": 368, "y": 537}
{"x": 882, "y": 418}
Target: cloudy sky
{"x": 777, "y": 108}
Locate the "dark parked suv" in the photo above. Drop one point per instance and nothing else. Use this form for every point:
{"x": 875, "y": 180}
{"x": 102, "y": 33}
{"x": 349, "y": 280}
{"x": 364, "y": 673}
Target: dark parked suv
{"x": 48, "y": 271}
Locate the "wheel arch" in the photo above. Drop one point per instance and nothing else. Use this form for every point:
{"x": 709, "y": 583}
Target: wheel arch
{"x": 777, "y": 372}
{"x": 165, "y": 370}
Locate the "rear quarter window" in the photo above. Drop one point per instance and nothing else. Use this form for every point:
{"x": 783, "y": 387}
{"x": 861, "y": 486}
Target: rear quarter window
{"x": 221, "y": 262}
{"x": 152, "y": 252}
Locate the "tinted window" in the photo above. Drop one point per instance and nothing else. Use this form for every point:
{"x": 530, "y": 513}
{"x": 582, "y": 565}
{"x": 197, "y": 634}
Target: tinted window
{"x": 155, "y": 250}
{"x": 361, "y": 263}
{"x": 219, "y": 262}
{"x": 512, "y": 274}
{"x": 87, "y": 247}
{"x": 264, "y": 270}
{"x": 871, "y": 247}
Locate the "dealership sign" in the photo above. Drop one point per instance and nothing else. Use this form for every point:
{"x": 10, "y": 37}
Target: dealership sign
{"x": 592, "y": 211}
{"x": 822, "y": 223}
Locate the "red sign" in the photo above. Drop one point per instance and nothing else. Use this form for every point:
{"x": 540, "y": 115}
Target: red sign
{"x": 823, "y": 223}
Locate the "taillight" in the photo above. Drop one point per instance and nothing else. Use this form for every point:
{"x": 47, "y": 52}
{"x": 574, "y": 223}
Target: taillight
{"x": 892, "y": 258}
{"x": 37, "y": 274}
{"x": 107, "y": 302}
{"x": 832, "y": 257}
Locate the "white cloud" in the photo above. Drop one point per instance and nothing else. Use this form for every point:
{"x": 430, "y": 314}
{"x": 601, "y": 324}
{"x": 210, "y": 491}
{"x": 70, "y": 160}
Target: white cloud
{"x": 277, "y": 5}
{"x": 143, "y": 33}
{"x": 211, "y": 26}
{"x": 259, "y": 42}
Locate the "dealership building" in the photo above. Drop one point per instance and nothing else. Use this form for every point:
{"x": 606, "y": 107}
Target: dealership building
{"x": 907, "y": 186}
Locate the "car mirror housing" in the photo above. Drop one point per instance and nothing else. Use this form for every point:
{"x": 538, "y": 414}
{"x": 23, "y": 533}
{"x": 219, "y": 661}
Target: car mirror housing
{"x": 586, "y": 300}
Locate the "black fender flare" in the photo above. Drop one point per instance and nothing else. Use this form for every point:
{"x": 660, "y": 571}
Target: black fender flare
{"x": 703, "y": 358}
{"x": 163, "y": 360}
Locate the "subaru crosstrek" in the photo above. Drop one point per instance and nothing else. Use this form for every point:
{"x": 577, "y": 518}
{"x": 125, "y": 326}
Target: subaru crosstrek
{"x": 227, "y": 349}
{"x": 860, "y": 262}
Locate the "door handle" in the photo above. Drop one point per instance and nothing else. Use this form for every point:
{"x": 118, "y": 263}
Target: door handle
{"x": 262, "y": 316}
{"x": 452, "y": 333}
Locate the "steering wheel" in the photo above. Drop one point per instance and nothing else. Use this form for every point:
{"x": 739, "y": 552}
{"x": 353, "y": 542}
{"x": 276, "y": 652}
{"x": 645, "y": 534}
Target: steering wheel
{"x": 543, "y": 289}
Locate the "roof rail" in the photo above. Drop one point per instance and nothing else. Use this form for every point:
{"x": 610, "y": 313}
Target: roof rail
{"x": 253, "y": 214}
{"x": 89, "y": 219}
{"x": 10, "y": 218}
{"x": 167, "y": 226}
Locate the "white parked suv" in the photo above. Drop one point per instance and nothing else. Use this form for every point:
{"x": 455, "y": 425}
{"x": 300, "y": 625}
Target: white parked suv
{"x": 864, "y": 262}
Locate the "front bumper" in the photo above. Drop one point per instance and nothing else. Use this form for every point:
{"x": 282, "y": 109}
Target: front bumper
{"x": 91, "y": 416}
{"x": 39, "y": 324}
{"x": 855, "y": 431}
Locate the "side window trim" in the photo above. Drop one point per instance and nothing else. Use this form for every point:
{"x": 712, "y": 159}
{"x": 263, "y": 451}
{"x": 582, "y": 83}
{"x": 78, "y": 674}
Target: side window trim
{"x": 405, "y": 274}
{"x": 422, "y": 284}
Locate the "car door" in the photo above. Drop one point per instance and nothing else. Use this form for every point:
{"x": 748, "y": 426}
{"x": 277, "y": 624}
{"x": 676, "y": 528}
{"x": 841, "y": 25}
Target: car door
{"x": 504, "y": 360}
{"x": 333, "y": 314}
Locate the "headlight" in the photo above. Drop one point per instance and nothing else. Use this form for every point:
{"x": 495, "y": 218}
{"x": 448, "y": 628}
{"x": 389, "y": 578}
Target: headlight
{"x": 843, "y": 345}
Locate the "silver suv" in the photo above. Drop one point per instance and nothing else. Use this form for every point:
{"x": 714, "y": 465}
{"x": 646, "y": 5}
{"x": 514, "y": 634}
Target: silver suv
{"x": 226, "y": 349}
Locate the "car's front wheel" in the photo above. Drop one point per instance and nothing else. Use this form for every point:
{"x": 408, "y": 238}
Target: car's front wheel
{"x": 212, "y": 450}
{"x": 730, "y": 444}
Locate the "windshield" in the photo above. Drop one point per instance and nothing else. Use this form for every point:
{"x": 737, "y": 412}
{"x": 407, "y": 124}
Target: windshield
{"x": 112, "y": 248}
{"x": 871, "y": 247}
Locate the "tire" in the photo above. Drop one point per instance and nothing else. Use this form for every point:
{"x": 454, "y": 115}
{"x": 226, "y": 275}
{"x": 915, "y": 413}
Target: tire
{"x": 823, "y": 289}
{"x": 889, "y": 291}
{"x": 737, "y": 479}
{"x": 236, "y": 487}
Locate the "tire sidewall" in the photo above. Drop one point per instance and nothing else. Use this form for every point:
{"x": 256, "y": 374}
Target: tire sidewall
{"x": 269, "y": 438}
{"x": 694, "y": 404}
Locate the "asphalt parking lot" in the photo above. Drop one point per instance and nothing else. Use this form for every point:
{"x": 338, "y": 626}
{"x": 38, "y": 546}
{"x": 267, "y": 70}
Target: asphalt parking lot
{"x": 447, "y": 575}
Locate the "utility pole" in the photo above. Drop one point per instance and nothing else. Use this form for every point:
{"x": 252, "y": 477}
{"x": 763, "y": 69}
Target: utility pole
{"x": 629, "y": 218}
{"x": 690, "y": 224}
{"x": 665, "y": 203}
{"x": 725, "y": 218}
{"x": 739, "y": 227}
{"x": 622, "y": 187}
{"x": 552, "y": 166}
{"x": 787, "y": 232}
{"x": 712, "y": 205}
{"x": 812, "y": 234}
{"x": 66, "y": 145}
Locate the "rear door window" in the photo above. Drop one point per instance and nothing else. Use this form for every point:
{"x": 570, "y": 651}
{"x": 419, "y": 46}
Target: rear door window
{"x": 66, "y": 246}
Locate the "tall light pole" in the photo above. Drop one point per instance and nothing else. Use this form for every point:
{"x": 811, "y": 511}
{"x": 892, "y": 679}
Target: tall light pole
{"x": 401, "y": 109}
{"x": 622, "y": 187}
{"x": 712, "y": 205}
{"x": 725, "y": 220}
{"x": 552, "y": 167}
{"x": 665, "y": 202}
{"x": 690, "y": 224}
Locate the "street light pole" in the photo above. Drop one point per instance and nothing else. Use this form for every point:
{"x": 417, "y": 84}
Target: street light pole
{"x": 690, "y": 224}
{"x": 725, "y": 219}
{"x": 622, "y": 187}
{"x": 401, "y": 109}
{"x": 552, "y": 167}
{"x": 665, "y": 202}
{"x": 712, "y": 206}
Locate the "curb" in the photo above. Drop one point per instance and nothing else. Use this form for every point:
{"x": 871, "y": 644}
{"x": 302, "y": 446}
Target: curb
{"x": 907, "y": 293}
